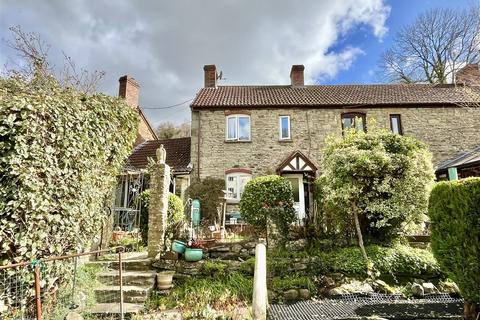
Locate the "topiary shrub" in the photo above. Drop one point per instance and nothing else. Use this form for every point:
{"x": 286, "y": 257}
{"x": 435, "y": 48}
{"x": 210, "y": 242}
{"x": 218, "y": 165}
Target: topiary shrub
{"x": 382, "y": 178}
{"x": 208, "y": 191}
{"x": 267, "y": 200}
{"x": 454, "y": 211}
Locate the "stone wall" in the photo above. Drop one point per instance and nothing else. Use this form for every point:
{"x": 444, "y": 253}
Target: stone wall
{"x": 447, "y": 130}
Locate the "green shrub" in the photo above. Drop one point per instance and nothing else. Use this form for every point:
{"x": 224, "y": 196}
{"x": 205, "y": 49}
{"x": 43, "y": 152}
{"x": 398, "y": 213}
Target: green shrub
{"x": 61, "y": 151}
{"x": 293, "y": 282}
{"x": 208, "y": 191}
{"x": 382, "y": 177}
{"x": 175, "y": 211}
{"x": 454, "y": 211}
{"x": 214, "y": 268}
{"x": 268, "y": 199}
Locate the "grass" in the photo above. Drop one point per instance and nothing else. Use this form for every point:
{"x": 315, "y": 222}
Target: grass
{"x": 199, "y": 298}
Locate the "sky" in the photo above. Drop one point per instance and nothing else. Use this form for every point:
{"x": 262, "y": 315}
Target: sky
{"x": 165, "y": 44}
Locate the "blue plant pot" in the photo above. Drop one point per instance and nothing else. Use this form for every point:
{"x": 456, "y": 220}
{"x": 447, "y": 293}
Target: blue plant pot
{"x": 193, "y": 254}
{"x": 178, "y": 246}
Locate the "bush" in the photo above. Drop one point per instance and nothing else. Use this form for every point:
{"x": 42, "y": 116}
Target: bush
{"x": 175, "y": 211}
{"x": 208, "y": 191}
{"x": 454, "y": 211}
{"x": 382, "y": 177}
{"x": 266, "y": 200}
{"x": 60, "y": 154}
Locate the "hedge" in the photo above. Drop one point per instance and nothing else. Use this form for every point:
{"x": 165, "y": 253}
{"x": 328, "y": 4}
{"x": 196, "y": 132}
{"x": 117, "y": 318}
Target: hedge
{"x": 60, "y": 154}
{"x": 454, "y": 211}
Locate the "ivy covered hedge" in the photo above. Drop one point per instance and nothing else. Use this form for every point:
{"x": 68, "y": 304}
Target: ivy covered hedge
{"x": 60, "y": 154}
{"x": 454, "y": 211}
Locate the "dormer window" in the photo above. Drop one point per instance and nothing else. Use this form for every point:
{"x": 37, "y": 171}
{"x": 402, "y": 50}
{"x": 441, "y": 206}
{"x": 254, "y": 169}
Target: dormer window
{"x": 354, "y": 120}
{"x": 238, "y": 128}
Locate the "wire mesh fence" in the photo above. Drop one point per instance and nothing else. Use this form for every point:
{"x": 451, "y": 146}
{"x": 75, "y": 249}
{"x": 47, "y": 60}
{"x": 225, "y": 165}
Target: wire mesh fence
{"x": 52, "y": 288}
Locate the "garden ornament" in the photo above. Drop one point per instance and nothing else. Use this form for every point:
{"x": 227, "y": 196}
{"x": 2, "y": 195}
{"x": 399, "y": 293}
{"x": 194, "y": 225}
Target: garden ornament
{"x": 161, "y": 154}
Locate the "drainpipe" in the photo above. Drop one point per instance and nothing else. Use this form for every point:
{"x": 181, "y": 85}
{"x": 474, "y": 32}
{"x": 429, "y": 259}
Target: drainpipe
{"x": 198, "y": 146}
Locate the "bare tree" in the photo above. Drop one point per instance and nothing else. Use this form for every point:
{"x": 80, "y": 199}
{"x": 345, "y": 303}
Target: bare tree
{"x": 170, "y": 130}
{"x": 36, "y": 67}
{"x": 434, "y": 46}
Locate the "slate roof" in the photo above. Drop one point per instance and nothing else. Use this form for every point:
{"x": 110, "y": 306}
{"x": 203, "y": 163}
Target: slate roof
{"x": 323, "y": 96}
{"x": 461, "y": 159}
{"x": 178, "y": 154}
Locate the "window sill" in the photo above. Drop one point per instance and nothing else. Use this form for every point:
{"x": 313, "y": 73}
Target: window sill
{"x": 238, "y": 141}
{"x": 285, "y": 140}
{"x": 233, "y": 201}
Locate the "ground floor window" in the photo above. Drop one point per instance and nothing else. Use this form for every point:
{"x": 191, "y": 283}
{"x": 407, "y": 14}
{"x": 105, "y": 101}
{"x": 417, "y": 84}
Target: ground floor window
{"x": 235, "y": 184}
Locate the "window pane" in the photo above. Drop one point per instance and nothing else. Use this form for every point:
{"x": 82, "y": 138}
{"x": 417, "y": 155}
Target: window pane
{"x": 243, "y": 182}
{"x": 232, "y": 186}
{"x": 232, "y": 128}
{"x": 359, "y": 125}
{"x": 395, "y": 125}
{"x": 347, "y": 123}
{"x": 285, "y": 127}
{"x": 243, "y": 128}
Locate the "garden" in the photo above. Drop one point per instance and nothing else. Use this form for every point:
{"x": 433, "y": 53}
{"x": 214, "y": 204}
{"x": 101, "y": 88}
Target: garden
{"x": 375, "y": 191}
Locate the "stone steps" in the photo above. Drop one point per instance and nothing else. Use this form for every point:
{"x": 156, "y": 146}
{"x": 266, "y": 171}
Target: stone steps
{"x": 109, "y": 309}
{"x": 127, "y": 265}
{"x": 131, "y": 294}
{"x": 130, "y": 278}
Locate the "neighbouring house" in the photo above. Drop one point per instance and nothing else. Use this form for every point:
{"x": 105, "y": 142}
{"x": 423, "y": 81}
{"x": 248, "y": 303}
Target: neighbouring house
{"x": 463, "y": 165}
{"x": 132, "y": 181}
{"x": 240, "y": 132}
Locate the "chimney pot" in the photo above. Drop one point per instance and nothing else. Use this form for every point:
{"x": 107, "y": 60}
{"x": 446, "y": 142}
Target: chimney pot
{"x": 210, "y": 71}
{"x": 129, "y": 89}
{"x": 296, "y": 75}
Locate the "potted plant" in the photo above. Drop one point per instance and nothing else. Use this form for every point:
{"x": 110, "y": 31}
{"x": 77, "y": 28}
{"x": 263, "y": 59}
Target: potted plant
{"x": 178, "y": 246}
{"x": 164, "y": 280}
{"x": 193, "y": 252}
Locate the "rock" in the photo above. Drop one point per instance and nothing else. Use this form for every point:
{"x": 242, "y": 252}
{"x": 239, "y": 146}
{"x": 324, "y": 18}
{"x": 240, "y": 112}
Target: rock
{"x": 297, "y": 245}
{"x": 304, "y": 294}
{"x": 336, "y": 291}
{"x": 337, "y": 277}
{"x": 429, "y": 288}
{"x": 270, "y": 296}
{"x": 237, "y": 248}
{"x": 357, "y": 287}
{"x": 382, "y": 287}
{"x": 164, "y": 264}
{"x": 448, "y": 287}
{"x": 250, "y": 245}
{"x": 299, "y": 266}
{"x": 327, "y": 282}
{"x": 291, "y": 295}
{"x": 169, "y": 255}
{"x": 73, "y": 316}
{"x": 219, "y": 249}
{"x": 417, "y": 290}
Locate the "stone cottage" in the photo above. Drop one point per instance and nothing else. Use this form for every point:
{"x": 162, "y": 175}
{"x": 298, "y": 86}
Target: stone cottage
{"x": 240, "y": 132}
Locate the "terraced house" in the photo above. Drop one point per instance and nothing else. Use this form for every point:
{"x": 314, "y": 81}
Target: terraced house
{"x": 239, "y": 132}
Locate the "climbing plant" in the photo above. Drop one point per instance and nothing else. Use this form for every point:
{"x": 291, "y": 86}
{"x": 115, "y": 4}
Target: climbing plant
{"x": 60, "y": 153}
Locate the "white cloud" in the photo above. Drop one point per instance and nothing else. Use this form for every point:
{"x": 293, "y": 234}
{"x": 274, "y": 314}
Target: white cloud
{"x": 164, "y": 44}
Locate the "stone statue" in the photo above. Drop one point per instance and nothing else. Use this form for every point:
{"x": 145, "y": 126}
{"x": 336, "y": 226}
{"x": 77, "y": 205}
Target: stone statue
{"x": 161, "y": 154}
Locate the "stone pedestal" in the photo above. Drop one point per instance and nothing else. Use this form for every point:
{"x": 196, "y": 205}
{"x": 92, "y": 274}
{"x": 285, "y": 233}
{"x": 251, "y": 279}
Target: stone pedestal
{"x": 157, "y": 210}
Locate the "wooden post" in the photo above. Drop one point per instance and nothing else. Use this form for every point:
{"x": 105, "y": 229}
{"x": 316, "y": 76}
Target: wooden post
{"x": 120, "y": 276}
{"x": 38, "y": 299}
{"x": 260, "y": 299}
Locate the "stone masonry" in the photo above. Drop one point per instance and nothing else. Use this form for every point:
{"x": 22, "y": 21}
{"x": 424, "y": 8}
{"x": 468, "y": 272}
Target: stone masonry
{"x": 157, "y": 210}
{"x": 447, "y": 130}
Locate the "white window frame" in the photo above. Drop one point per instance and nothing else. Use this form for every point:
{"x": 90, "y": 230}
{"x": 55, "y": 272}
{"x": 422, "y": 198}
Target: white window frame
{"x": 237, "y": 127}
{"x": 280, "y": 128}
{"x": 238, "y": 176}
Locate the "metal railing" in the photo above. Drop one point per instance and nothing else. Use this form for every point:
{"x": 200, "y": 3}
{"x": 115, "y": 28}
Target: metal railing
{"x": 49, "y": 288}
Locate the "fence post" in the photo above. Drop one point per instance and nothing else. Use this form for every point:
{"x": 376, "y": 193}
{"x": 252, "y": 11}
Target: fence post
{"x": 120, "y": 276}
{"x": 259, "y": 300}
{"x": 38, "y": 299}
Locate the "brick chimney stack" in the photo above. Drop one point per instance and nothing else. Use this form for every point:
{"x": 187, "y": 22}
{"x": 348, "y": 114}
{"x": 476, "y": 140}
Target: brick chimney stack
{"x": 210, "y": 71}
{"x": 468, "y": 75}
{"x": 129, "y": 90}
{"x": 296, "y": 75}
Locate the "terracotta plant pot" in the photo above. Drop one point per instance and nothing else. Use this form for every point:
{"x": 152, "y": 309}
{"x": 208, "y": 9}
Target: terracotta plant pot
{"x": 118, "y": 235}
{"x": 164, "y": 280}
{"x": 193, "y": 254}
